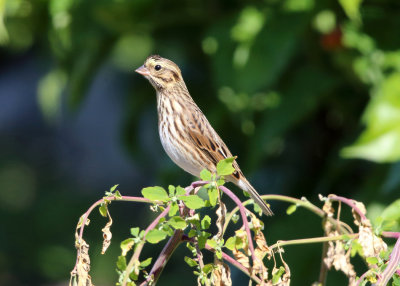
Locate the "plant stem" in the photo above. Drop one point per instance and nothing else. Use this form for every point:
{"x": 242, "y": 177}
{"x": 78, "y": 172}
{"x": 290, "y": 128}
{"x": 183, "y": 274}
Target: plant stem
{"x": 138, "y": 250}
{"x": 392, "y": 265}
{"x": 323, "y": 269}
{"x": 235, "y": 263}
{"x": 313, "y": 240}
{"x": 244, "y": 218}
{"x": 164, "y": 256}
{"x": 350, "y": 203}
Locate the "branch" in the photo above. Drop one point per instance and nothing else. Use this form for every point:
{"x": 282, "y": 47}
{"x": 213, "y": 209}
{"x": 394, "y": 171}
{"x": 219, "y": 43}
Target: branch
{"x": 350, "y": 203}
{"x": 235, "y": 263}
{"x": 242, "y": 210}
{"x": 139, "y": 247}
{"x": 164, "y": 256}
{"x": 392, "y": 265}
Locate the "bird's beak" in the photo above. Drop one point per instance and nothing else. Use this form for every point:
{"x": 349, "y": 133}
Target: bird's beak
{"x": 143, "y": 71}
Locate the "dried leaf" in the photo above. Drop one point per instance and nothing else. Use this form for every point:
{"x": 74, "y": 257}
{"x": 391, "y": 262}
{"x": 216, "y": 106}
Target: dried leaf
{"x": 221, "y": 274}
{"x": 221, "y": 212}
{"x": 336, "y": 255}
{"x": 357, "y": 218}
{"x": 261, "y": 250}
{"x": 107, "y": 234}
{"x": 80, "y": 275}
{"x": 338, "y": 258}
{"x": 328, "y": 209}
{"x": 370, "y": 243}
{"x": 241, "y": 258}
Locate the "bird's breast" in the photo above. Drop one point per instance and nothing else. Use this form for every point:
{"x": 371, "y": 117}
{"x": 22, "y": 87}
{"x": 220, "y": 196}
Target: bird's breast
{"x": 174, "y": 138}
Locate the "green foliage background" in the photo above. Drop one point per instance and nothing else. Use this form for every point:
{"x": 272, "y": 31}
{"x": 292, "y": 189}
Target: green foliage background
{"x": 305, "y": 92}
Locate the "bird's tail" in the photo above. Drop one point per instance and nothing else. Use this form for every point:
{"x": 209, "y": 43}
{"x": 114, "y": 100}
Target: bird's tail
{"x": 246, "y": 186}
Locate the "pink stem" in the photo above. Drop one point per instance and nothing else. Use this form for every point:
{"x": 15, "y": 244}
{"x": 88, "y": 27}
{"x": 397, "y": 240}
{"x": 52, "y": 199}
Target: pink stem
{"x": 350, "y": 203}
{"x": 235, "y": 263}
{"x": 392, "y": 265}
{"x": 244, "y": 218}
{"x": 391, "y": 234}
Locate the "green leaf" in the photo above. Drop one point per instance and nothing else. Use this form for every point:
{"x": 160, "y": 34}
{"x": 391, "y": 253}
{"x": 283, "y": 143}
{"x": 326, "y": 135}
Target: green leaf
{"x": 277, "y": 275}
{"x": 113, "y": 188}
{"x": 218, "y": 253}
{"x": 118, "y": 195}
{"x": 135, "y": 231}
{"x": 192, "y": 233}
{"x": 230, "y": 243}
{"x": 351, "y": 8}
{"x": 213, "y": 196}
{"x": 356, "y": 248}
{"x": 396, "y": 280}
{"x": 192, "y": 201}
{"x": 171, "y": 190}
{"x": 392, "y": 212}
{"x": 121, "y": 263}
{"x": 205, "y": 222}
{"x": 235, "y": 218}
{"x": 224, "y": 167}
{"x": 205, "y": 175}
{"x": 155, "y": 194}
{"x": 380, "y": 141}
{"x": 127, "y": 245}
{"x": 177, "y": 222}
{"x": 212, "y": 243}
{"x": 372, "y": 260}
{"x": 146, "y": 262}
{"x": 257, "y": 209}
{"x": 180, "y": 191}
{"x": 191, "y": 262}
{"x": 202, "y": 239}
{"x": 291, "y": 209}
{"x": 207, "y": 268}
{"x": 155, "y": 235}
{"x": 173, "y": 209}
{"x": 103, "y": 209}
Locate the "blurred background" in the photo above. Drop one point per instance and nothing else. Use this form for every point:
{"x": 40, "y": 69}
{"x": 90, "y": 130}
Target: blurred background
{"x": 306, "y": 92}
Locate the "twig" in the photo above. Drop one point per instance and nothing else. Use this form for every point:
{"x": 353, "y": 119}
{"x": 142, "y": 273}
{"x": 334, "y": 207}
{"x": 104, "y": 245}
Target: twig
{"x": 350, "y": 203}
{"x": 235, "y": 263}
{"x": 392, "y": 265}
{"x": 324, "y": 268}
{"x": 313, "y": 240}
{"x": 169, "y": 247}
{"x": 244, "y": 218}
{"x": 164, "y": 256}
{"x": 139, "y": 247}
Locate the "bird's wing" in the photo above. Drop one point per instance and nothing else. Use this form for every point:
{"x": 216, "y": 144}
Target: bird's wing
{"x": 209, "y": 143}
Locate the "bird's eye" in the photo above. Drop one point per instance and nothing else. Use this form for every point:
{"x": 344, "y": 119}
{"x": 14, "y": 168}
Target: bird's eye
{"x": 157, "y": 67}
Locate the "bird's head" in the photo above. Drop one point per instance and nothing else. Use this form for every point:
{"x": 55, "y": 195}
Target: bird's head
{"x": 162, "y": 73}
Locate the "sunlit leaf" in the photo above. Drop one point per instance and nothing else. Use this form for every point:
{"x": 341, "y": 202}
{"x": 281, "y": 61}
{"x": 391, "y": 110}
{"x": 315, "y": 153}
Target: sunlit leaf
{"x": 224, "y": 167}
{"x": 146, "y": 262}
{"x": 192, "y": 201}
{"x": 191, "y": 262}
{"x": 380, "y": 141}
{"x": 177, "y": 222}
{"x": 155, "y": 194}
{"x": 205, "y": 175}
{"x": 205, "y": 222}
{"x": 155, "y": 235}
{"x": 291, "y": 209}
{"x": 213, "y": 196}
{"x": 173, "y": 209}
